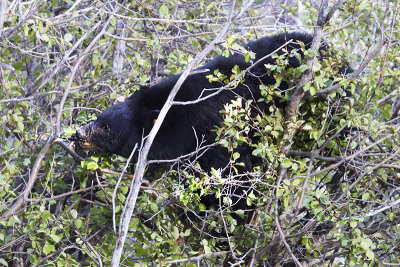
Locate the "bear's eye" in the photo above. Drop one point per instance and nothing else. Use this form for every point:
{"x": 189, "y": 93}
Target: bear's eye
{"x": 104, "y": 126}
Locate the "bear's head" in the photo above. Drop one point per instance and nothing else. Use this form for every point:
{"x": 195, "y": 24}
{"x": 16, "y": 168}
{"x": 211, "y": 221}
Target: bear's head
{"x": 116, "y": 130}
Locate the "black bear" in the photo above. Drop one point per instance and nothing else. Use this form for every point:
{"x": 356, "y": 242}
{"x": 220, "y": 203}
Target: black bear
{"x": 119, "y": 128}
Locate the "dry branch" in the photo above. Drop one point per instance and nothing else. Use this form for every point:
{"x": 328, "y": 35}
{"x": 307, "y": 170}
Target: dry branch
{"x": 197, "y": 258}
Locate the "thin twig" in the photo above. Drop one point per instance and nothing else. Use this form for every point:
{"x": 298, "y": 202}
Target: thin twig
{"x": 197, "y": 258}
{"x": 67, "y": 194}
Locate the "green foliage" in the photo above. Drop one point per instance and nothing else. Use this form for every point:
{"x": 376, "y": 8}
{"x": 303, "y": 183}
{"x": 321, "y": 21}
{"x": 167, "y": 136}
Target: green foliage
{"x": 339, "y": 213}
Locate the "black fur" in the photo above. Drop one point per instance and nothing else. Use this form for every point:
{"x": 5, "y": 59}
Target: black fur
{"x": 120, "y": 127}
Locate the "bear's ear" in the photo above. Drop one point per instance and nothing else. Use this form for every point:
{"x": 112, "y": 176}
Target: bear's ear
{"x": 149, "y": 118}
{"x": 153, "y": 113}
{"x": 138, "y": 92}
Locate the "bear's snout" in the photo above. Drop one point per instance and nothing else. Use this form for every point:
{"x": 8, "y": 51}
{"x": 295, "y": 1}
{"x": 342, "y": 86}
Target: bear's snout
{"x": 83, "y": 138}
{"x": 81, "y": 134}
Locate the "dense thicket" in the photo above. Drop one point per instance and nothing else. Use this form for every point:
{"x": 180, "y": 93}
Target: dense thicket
{"x": 327, "y": 184}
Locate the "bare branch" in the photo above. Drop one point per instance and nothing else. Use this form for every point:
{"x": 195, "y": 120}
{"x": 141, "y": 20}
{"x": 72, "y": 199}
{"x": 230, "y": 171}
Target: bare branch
{"x": 68, "y": 193}
{"x": 68, "y": 149}
{"x": 305, "y": 154}
{"x": 332, "y": 11}
{"x": 197, "y": 258}
{"x": 142, "y": 159}
{"x": 386, "y": 98}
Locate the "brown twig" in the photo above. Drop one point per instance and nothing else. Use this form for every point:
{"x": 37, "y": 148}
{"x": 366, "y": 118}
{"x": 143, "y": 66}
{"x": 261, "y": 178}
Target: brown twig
{"x": 387, "y": 97}
{"x": 305, "y": 154}
{"x": 197, "y": 258}
{"x": 67, "y": 194}
{"x": 75, "y": 155}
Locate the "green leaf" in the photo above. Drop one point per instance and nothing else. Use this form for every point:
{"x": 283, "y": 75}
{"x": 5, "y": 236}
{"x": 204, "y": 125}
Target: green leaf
{"x": 121, "y": 197}
{"x": 44, "y": 37}
{"x": 303, "y": 68}
{"x": 225, "y": 53}
{"x": 55, "y": 238}
{"x": 45, "y": 215}
{"x": 74, "y": 214}
{"x": 95, "y": 59}
{"x": 207, "y": 249}
{"x": 187, "y": 232}
{"x": 280, "y": 192}
{"x": 68, "y": 37}
{"x": 54, "y": 3}
{"x": 154, "y": 207}
{"x": 78, "y": 223}
{"x": 295, "y": 166}
{"x": 124, "y": 189}
{"x": 13, "y": 221}
{"x": 247, "y": 57}
{"x": 365, "y": 196}
{"x": 313, "y": 90}
{"x": 175, "y": 250}
{"x": 32, "y": 259}
{"x": 20, "y": 126}
{"x": 164, "y": 11}
{"x": 370, "y": 254}
{"x": 353, "y": 145}
{"x": 48, "y": 248}
{"x": 287, "y": 163}
{"x": 240, "y": 213}
{"x": 175, "y": 232}
{"x": 92, "y": 166}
